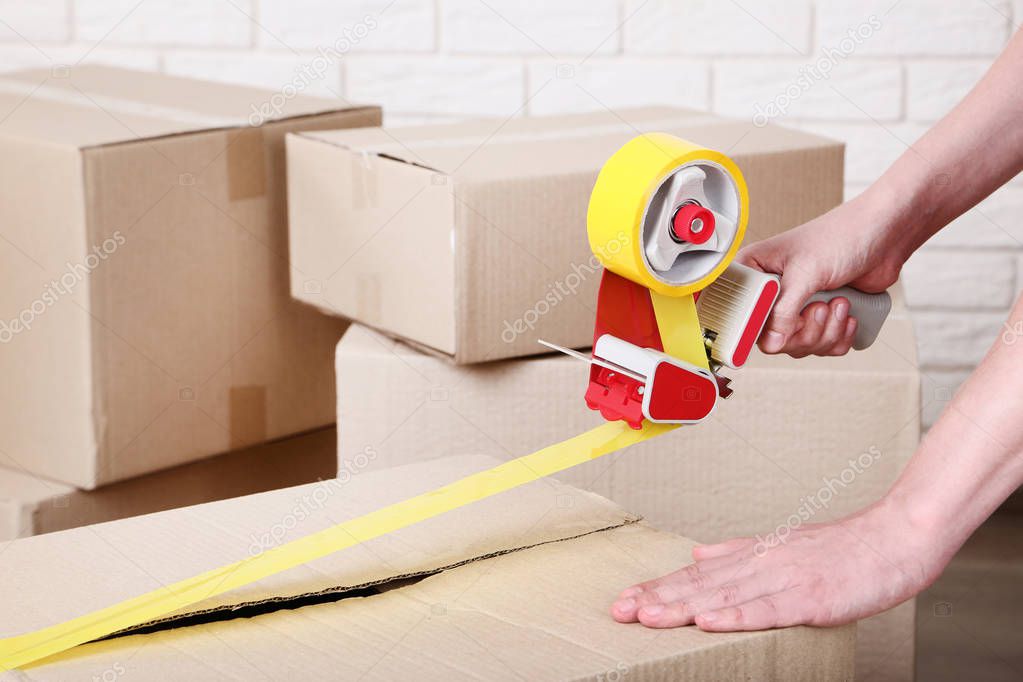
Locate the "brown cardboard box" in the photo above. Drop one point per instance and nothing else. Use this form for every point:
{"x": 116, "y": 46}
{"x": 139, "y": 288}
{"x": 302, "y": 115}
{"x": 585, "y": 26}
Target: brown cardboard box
{"x": 513, "y": 587}
{"x": 462, "y": 237}
{"x": 788, "y": 433}
{"x": 145, "y": 319}
{"x": 30, "y": 505}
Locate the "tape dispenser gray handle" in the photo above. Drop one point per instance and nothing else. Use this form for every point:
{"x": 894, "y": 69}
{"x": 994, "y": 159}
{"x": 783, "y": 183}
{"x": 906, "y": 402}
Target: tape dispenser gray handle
{"x": 870, "y": 311}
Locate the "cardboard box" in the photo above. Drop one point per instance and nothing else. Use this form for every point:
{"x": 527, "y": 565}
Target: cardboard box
{"x": 793, "y": 430}
{"x": 30, "y": 505}
{"x": 465, "y": 238}
{"x": 493, "y": 590}
{"x": 145, "y": 319}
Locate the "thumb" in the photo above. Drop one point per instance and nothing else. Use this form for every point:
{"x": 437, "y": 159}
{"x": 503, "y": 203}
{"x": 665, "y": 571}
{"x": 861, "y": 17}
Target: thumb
{"x": 785, "y": 320}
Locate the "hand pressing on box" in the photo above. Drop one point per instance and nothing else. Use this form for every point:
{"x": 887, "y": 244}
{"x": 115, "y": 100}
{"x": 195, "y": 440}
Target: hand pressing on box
{"x": 971, "y": 459}
{"x": 838, "y": 572}
{"x": 823, "y": 574}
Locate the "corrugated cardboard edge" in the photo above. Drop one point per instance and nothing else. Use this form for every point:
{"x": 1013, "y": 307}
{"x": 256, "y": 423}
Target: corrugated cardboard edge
{"x": 313, "y": 137}
{"x": 227, "y": 128}
{"x": 286, "y": 601}
{"x": 23, "y": 82}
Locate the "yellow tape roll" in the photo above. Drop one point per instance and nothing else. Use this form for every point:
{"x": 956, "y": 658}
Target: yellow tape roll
{"x": 623, "y": 192}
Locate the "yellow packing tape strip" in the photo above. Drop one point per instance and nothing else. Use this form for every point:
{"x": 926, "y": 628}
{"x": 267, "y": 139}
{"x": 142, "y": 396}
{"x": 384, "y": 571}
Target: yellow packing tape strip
{"x": 681, "y": 332}
{"x": 22, "y": 650}
{"x": 620, "y": 197}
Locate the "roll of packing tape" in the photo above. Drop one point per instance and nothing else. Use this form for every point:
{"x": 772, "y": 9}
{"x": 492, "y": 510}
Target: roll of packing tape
{"x": 642, "y": 189}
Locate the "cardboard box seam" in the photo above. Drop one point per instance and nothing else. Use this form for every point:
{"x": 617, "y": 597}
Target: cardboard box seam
{"x": 168, "y": 623}
{"x": 228, "y": 128}
{"x": 389, "y": 157}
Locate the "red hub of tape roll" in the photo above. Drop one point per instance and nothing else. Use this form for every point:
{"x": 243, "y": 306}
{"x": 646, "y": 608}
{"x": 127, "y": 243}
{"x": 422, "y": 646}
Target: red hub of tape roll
{"x": 692, "y": 223}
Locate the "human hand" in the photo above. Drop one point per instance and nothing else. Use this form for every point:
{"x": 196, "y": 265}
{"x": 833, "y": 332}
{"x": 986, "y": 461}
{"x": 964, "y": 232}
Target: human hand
{"x": 822, "y": 575}
{"x": 834, "y": 250}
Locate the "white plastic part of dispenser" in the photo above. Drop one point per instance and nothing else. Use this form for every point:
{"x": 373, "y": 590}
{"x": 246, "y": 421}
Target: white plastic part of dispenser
{"x": 708, "y": 185}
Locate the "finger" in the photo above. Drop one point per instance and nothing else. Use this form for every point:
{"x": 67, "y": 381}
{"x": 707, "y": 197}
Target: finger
{"x": 679, "y": 584}
{"x": 703, "y": 552}
{"x": 845, "y": 345}
{"x": 692, "y": 574}
{"x": 670, "y": 615}
{"x": 834, "y": 327}
{"x": 815, "y": 318}
{"x": 685, "y": 611}
{"x": 745, "y": 587}
{"x": 693, "y": 584}
{"x": 771, "y": 611}
{"x": 785, "y": 320}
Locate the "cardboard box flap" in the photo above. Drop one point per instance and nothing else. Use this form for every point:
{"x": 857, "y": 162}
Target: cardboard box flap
{"x": 48, "y": 579}
{"x": 483, "y": 151}
{"x": 401, "y": 142}
{"x": 537, "y": 614}
{"x": 90, "y": 105}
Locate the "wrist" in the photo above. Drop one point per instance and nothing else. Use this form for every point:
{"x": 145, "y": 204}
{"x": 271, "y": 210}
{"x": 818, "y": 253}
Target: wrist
{"x": 893, "y": 223}
{"x": 924, "y": 525}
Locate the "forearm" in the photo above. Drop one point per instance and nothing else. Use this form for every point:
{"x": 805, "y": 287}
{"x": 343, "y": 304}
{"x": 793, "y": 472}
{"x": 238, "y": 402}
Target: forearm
{"x": 972, "y": 458}
{"x": 974, "y": 150}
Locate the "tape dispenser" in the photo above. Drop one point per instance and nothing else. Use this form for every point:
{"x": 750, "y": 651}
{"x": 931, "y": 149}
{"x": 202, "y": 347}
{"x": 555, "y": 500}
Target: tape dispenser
{"x": 666, "y": 218}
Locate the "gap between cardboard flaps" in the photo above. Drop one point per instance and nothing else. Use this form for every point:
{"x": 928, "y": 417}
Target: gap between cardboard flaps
{"x": 368, "y": 153}
{"x": 258, "y": 607}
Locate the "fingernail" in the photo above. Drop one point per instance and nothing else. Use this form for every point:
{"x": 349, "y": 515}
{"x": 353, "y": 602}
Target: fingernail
{"x": 773, "y": 341}
{"x": 841, "y": 311}
{"x": 820, "y": 313}
{"x": 631, "y": 592}
{"x": 708, "y": 617}
{"x": 625, "y": 604}
{"x": 652, "y": 611}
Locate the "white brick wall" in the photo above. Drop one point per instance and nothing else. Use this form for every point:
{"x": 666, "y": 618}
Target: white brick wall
{"x": 164, "y": 22}
{"x": 576, "y": 27}
{"x": 875, "y": 73}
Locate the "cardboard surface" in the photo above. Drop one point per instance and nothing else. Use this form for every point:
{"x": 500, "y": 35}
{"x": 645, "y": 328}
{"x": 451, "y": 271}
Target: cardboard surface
{"x": 509, "y": 600}
{"x": 788, "y": 433}
{"x": 464, "y": 237}
{"x": 30, "y": 505}
{"x": 145, "y": 318}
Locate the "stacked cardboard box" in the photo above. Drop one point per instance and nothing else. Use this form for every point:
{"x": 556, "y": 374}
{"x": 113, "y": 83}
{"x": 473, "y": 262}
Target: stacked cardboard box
{"x": 512, "y": 587}
{"x": 470, "y": 238}
{"x": 145, "y": 319}
{"x": 468, "y": 242}
{"x": 30, "y": 505}
{"x": 178, "y": 341}
{"x": 798, "y": 442}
